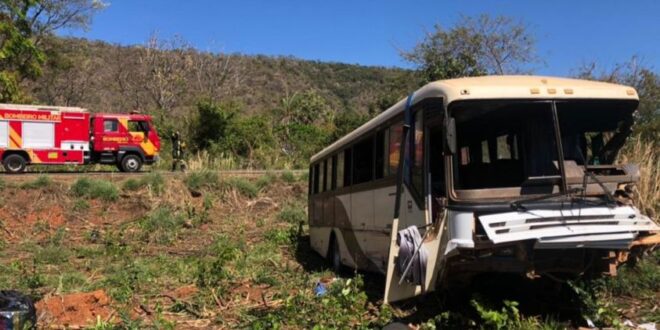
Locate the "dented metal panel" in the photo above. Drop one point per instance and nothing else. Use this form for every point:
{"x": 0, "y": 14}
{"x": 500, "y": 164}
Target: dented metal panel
{"x": 567, "y": 222}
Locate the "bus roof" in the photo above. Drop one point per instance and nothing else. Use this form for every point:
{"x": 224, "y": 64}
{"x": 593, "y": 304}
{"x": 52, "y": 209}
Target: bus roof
{"x": 491, "y": 88}
{"x": 29, "y": 107}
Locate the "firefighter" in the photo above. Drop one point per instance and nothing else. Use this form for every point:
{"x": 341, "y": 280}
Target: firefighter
{"x": 178, "y": 155}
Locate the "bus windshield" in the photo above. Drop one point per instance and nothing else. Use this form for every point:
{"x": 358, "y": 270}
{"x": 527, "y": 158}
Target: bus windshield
{"x": 513, "y": 144}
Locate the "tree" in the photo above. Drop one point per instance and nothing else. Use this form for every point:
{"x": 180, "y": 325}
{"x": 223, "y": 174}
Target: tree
{"x": 213, "y": 123}
{"x": 165, "y": 64}
{"x": 644, "y": 80}
{"x": 23, "y": 24}
{"x": 474, "y": 46}
{"x": 20, "y": 57}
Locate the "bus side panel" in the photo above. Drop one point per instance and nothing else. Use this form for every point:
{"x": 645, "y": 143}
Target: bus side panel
{"x": 328, "y": 209}
{"x": 379, "y": 243}
{"x": 319, "y": 238}
{"x": 362, "y": 218}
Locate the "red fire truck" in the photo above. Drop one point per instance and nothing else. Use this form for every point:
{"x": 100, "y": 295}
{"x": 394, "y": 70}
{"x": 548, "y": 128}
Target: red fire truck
{"x": 32, "y": 134}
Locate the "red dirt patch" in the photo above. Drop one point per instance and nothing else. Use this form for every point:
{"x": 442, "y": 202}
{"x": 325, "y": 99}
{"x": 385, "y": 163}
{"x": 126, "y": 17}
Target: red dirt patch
{"x": 74, "y": 310}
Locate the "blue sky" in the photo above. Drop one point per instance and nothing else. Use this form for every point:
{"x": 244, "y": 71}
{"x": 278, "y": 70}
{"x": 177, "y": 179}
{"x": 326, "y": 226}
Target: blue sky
{"x": 371, "y": 32}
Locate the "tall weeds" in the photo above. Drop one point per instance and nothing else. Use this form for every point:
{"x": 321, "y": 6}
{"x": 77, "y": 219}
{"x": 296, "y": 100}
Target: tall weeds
{"x": 646, "y": 154}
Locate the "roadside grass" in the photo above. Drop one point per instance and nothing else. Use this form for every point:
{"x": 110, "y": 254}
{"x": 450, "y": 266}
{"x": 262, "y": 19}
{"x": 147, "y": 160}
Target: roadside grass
{"x": 249, "y": 269}
{"x": 201, "y": 179}
{"x": 95, "y": 189}
{"x": 161, "y": 226}
{"x": 41, "y": 182}
{"x": 244, "y": 186}
{"x": 288, "y": 177}
{"x": 153, "y": 181}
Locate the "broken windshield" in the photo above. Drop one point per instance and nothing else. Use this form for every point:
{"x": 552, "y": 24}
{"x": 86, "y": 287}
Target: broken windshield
{"x": 512, "y": 144}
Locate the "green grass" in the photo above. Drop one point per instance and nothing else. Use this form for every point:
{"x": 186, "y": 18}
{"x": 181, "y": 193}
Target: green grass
{"x": 152, "y": 181}
{"x": 202, "y": 179}
{"x": 243, "y": 186}
{"x": 161, "y": 226}
{"x": 95, "y": 189}
{"x": 292, "y": 214}
{"x": 288, "y": 177}
{"x": 182, "y": 243}
{"x": 265, "y": 181}
{"x": 42, "y": 181}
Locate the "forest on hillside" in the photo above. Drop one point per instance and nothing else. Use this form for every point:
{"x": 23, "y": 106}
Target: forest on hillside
{"x": 239, "y": 111}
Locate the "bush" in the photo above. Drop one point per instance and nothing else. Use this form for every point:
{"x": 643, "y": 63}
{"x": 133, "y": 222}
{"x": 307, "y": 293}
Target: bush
{"x": 43, "y": 181}
{"x": 153, "y": 181}
{"x": 201, "y": 179}
{"x": 91, "y": 188}
{"x": 282, "y": 236}
{"x": 244, "y": 187}
{"x": 288, "y": 177}
{"x": 161, "y": 226}
{"x": 132, "y": 185}
{"x": 211, "y": 272}
{"x": 265, "y": 180}
{"x": 292, "y": 214}
{"x": 80, "y": 205}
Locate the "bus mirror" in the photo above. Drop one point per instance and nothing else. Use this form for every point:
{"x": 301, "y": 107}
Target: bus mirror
{"x": 450, "y": 137}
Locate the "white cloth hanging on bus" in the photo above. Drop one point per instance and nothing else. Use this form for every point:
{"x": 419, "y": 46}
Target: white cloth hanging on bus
{"x": 409, "y": 241}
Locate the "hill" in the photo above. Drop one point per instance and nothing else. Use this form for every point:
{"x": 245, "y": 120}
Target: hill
{"x": 172, "y": 76}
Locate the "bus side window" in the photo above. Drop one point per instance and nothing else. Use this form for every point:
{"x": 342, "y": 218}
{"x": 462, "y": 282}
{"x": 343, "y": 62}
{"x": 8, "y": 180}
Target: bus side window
{"x": 381, "y": 146}
{"x": 329, "y": 174}
{"x": 395, "y": 137}
{"x": 333, "y": 181}
{"x": 340, "y": 169}
{"x": 310, "y": 183}
{"x": 323, "y": 176}
{"x": 317, "y": 173}
{"x": 363, "y": 161}
{"x": 348, "y": 160}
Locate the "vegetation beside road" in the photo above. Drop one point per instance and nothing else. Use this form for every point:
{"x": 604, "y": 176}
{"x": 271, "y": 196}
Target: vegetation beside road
{"x": 238, "y": 255}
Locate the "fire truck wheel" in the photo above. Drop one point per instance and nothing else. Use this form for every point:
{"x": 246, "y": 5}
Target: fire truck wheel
{"x": 131, "y": 163}
{"x": 14, "y": 163}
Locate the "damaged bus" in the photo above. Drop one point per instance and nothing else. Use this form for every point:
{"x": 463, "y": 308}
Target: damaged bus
{"x": 497, "y": 174}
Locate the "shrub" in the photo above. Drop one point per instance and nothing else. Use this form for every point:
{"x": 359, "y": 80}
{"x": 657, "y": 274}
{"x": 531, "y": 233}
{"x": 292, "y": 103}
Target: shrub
{"x": 161, "y": 226}
{"x": 153, "y": 181}
{"x": 288, "y": 177}
{"x": 42, "y": 181}
{"x": 201, "y": 179}
{"x": 244, "y": 187}
{"x": 282, "y": 236}
{"x": 91, "y": 188}
{"x": 265, "y": 180}
{"x": 212, "y": 271}
{"x": 292, "y": 214}
{"x": 132, "y": 185}
{"x": 80, "y": 205}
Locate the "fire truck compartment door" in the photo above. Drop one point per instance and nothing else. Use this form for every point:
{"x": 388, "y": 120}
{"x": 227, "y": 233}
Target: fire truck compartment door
{"x": 4, "y": 134}
{"x": 38, "y": 135}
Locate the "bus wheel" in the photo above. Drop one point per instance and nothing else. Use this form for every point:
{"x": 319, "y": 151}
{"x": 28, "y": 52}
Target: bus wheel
{"x": 131, "y": 163}
{"x": 14, "y": 163}
{"x": 335, "y": 257}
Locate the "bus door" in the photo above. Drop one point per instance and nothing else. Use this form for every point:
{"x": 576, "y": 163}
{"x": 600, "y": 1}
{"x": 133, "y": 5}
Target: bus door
{"x": 425, "y": 182}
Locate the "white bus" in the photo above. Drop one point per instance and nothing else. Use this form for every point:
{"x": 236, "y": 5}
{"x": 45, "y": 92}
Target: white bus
{"x": 499, "y": 173}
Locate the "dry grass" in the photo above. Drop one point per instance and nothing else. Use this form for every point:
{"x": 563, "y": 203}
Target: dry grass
{"x": 647, "y": 156}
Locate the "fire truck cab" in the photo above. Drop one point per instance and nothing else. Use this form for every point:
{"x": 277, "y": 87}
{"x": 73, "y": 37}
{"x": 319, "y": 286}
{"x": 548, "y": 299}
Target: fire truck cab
{"x": 67, "y": 135}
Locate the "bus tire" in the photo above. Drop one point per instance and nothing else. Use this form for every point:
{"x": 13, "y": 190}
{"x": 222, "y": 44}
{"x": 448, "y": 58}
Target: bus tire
{"x": 14, "y": 163}
{"x": 131, "y": 163}
{"x": 334, "y": 256}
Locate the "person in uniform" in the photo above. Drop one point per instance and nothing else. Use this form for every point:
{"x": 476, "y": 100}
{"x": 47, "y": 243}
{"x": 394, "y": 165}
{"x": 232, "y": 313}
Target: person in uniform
{"x": 178, "y": 148}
